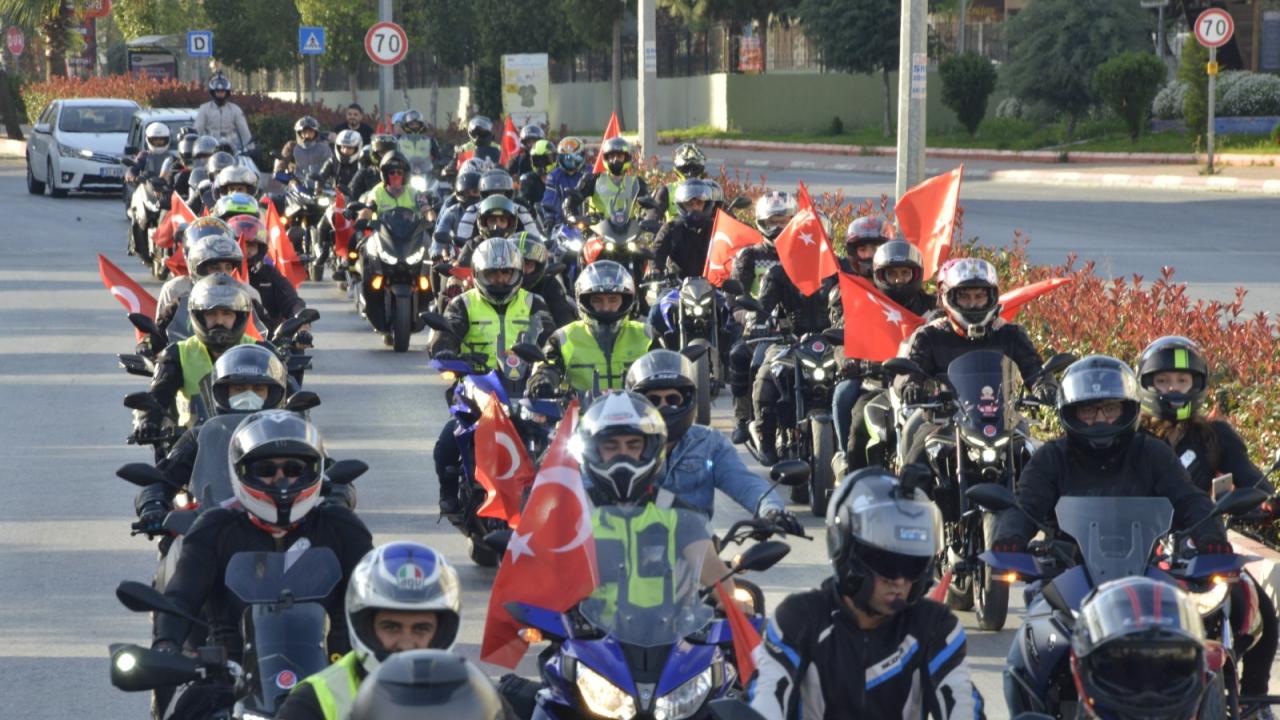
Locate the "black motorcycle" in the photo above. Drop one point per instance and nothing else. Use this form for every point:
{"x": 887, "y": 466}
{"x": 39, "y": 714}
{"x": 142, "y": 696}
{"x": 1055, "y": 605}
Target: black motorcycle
{"x": 390, "y": 276}
{"x": 695, "y": 313}
{"x": 307, "y": 205}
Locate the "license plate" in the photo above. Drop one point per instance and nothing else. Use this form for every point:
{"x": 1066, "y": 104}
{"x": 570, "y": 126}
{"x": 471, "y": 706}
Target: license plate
{"x": 111, "y": 172}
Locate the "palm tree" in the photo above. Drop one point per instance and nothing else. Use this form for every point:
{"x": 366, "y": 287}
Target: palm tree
{"x": 53, "y": 19}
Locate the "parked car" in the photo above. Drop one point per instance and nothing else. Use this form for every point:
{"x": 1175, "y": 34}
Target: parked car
{"x": 175, "y": 118}
{"x": 76, "y": 144}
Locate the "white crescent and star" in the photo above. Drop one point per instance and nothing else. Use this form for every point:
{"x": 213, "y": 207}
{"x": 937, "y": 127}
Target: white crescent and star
{"x": 569, "y": 479}
{"x": 128, "y": 297}
{"x": 505, "y": 442}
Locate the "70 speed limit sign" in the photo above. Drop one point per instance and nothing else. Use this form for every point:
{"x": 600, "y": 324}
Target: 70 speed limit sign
{"x": 386, "y": 43}
{"x": 1214, "y": 28}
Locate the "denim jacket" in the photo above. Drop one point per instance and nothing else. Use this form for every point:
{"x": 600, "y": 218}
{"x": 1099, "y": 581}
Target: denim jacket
{"x": 705, "y": 460}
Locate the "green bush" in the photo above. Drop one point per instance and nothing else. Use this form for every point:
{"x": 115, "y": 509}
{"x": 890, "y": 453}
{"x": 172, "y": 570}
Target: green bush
{"x": 836, "y": 127}
{"x": 1275, "y": 134}
{"x": 967, "y": 83}
{"x": 1195, "y": 99}
{"x": 1128, "y": 83}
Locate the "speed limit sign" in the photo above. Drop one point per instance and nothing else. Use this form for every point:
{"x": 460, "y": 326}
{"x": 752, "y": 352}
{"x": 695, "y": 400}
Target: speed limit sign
{"x": 1214, "y": 28}
{"x": 386, "y": 43}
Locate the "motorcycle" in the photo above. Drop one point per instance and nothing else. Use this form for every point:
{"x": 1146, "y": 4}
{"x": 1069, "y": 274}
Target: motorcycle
{"x": 307, "y": 205}
{"x": 1114, "y": 537}
{"x": 566, "y": 250}
{"x": 149, "y": 202}
{"x": 390, "y": 285}
{"x": 284, "y": 631}
{"x": 695, "y": 315}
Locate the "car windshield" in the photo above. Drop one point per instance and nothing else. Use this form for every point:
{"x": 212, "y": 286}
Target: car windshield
{"x": 95, "y": 119}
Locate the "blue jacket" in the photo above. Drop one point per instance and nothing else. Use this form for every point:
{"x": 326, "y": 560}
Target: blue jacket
{"x": 559, "y": 183}
{"x": 705, "y": 460}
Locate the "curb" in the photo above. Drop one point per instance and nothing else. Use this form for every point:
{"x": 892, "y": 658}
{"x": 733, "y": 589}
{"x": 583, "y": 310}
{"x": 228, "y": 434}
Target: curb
{"x": 1266, "y": 569}
{"x": 1038, "y": 156}
{"x": 13, "y": 148}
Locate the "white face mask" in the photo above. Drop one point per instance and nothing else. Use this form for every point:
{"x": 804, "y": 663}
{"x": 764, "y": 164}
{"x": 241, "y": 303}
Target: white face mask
{"x": 247, "y": 401}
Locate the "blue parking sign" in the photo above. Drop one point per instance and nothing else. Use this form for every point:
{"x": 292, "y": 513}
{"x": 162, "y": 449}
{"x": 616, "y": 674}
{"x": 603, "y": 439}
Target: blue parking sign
{"x": 310, "y": 40}
{"x": 200, "y": 43}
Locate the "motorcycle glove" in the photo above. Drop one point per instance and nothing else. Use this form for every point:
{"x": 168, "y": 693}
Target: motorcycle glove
{"x": 445, "y": 355}
{"x": 1213, "y": 544}
{"x": 151, "y": 517}
{"x": 914, "y": 394}
{"x": 785, "y": 521}
{"x": 145, "y": 431}
{"x": 1046, "y": 392}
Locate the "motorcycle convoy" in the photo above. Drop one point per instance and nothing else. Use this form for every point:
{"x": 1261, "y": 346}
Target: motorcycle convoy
{"x": 402, "y": 274}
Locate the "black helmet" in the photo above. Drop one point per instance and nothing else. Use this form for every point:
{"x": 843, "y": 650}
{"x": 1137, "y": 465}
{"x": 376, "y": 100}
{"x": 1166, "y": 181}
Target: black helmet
{"x": 393, "y": 161}
{"x": 467, "y": 185}
{"x": 773, "y": 211}
{"x": 1178, "y": 354}
{"x": 868, "y": 229}
{"x": 306, "y": 122}
{"x": 969, "y": 273}
{"x": 497, "y": 254}
{"x": 895, "y": 254}
{"x": 493, "y": 209}
{"x": 497, "y": 182}
{"x": 531, "y": 134}
{"x": 612, "y": 146}
{"x": 623, "y": 479}
{"x": 666, "y": 370}
{"x": 428, "y": 683}
{"x": 535, "y": 251}
{"x": 688, "y": 161}
{"x": 877, "y": 525}
{"x": 219, "y": 291}
{"x": 1098, "y": 378}
{"x": 276, "y": 435}
{"x": 187, "y": 147}
{"x": 480, "y": 128}
{"x": 219, "y": 83}
{"x": 217, "y": 162}
{"x": 380, "y": 145}
{"x": 690, "y": 190}
{"x": 1138, "y": 652}
{"x": 204, "y": 148}
{"x": 412, "y": 123}
{"x": 248, "y": 365}
{"x": 600, "y": 278}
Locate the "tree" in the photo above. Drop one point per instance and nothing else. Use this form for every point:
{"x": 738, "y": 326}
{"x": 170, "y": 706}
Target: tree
{"x": 52, "y": 19}
{"x": 1058, "y": 44}
{"x": 445, "y": 28}
{"x": 137, "y": 18}
{"x": 1127, "y": 84}
{"x": 856, "y": 36}
{"x": 1195, "y": 100}
{"x": 251, "y": 35}
{"x": 697, "y": 14}
{"x": 345, "y": 24}
{"x": 595, "y": 25}
{"x": 967, "y": 82}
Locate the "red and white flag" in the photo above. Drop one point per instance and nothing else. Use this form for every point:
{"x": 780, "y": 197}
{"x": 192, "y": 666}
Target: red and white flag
{"x": 551, "y": 558}
{"x": 746, "y": 641}
{"x": 131, "y": 295}
{"x": 280, "y": 247}
{"x": 926, "y": 217}
{"x": 510, "y": 142}
{"x": 729, "y": 236}
{"x": 503, "y": 468}
{"x": 343, "y": 229}
{"x": 1011, "y": 302}
{"x": 874, "y": 325}
{"x": 179, "y": 214}
{"x": 805, "y": 252}
{"x": 611, "y": 131}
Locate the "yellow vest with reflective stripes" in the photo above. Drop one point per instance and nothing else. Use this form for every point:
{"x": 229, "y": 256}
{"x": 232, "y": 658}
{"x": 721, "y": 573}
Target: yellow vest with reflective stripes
{"x": 620, "y": 538}
{"x": 196, "y": 366}
{"x": 491, "y": 333}
{"x": 583, "y": 355}
{"x": 383, "y": 200}
{"x": 614, "y": 195}
{"x": 335, "y": 687}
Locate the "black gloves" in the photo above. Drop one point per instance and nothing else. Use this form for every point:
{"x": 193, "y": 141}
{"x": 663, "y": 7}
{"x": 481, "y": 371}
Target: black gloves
{"x": 145, "y": 431}
{"x": 445, "y": 355}
{"x": 785, "y": 521}
{"x": 151, "y": 517}
{"x": 1213, "y": 544}
{"x": 914, "y": 394}
{"x": 1046, "y": 391}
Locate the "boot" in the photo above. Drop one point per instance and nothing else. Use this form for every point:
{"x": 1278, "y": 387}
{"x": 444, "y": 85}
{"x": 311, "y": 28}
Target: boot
{"x": 449, "y": 503}
{"x": 767, "y": 439}
{"x": 742, "y": 413}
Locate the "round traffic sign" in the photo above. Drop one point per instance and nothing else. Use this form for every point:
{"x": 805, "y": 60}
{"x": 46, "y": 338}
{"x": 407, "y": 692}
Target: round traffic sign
{"x": 1214, "y": 28}
{"x": 386, "y": 43}
{"x": 14, "y": 40}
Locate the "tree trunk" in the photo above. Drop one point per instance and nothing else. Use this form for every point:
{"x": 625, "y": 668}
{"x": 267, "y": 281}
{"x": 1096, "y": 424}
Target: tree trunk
{"x": 617, "y": 72}
{"x": 888, "y": 103}
{"x": 763, "y": 34}
{"x": 8, "y": 108}
{"x": 54, "y": 30}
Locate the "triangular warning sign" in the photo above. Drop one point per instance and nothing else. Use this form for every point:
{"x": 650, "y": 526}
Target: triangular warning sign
{"x": 313, "y": 43}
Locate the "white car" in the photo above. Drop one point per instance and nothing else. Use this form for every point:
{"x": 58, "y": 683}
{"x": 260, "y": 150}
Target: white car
{"x": 76, "y": 144}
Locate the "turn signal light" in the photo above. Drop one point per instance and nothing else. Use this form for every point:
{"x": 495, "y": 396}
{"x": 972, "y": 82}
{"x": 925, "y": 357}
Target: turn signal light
{"x": 1010, "y": 577}
{"x": 376, "y": 283}
{"x": 530, "y": 635}
{"x": 424, "y": 283}
{"x": 353, "y": 255}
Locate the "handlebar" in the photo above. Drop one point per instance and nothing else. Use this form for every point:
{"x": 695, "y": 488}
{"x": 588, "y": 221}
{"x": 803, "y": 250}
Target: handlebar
{"x": 757, "y": 529}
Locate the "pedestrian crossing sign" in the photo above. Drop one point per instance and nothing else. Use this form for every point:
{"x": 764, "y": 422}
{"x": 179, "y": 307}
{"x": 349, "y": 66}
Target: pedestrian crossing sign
{"x": 310, "y": 40}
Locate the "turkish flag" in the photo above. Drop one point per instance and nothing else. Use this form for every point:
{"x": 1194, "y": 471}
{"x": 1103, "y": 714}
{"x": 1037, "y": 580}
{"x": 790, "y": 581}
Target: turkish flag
{"x": 746, "y": 641}
{"x": 343, "y": 230}
{"x": 177, "y": 262}
{"x": 503, "y": 468}
{"x": 728, "y": 237}
{"x": 805, "y": 252}
{"x": 1012, "y": 301}
{"x": 874, "y": 325}
{"x": 179, "y": 213}
{"x": 130, "y": 294}
{"x": 803, "y": 201}
{"x": 280, "y": 247}
{"x": 464, "y": 156}
{"x": 551, "y": 559}
{"x": 611, "y": 131}
{"x": 510, "y": 142}
{"x": 926, "y": 216}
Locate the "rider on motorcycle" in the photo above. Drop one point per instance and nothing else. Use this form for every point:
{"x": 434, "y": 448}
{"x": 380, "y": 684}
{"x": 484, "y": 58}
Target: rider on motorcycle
{"x": 870, "y": 619}
{"x": 495, "y": 182}
{"x": 403, "y": 596}
{"x": 178, "y": 168}
{"x": 689, "y": 163}
{"x": 305, "y": 154}
{"x": 466, "y": 193}
{"x": 221, "y": 118}
{"x": 611, "y": 192}
{"x": 202, "y": 197}
{"x": 393, "y": 191}
{"x": 428, "y": 683}
{"x": 202, "y": 149}
{"x": 522, "y": 162}
{"x": 211, "y": 248}
{"x": 342, "y": 168}
{"x": 496, "y": 216}
{"x": 480, "y": 146}
{"x": 861, "y": 240}
{"x": 235, "y": 179}
{"x": 488, "y": 319}
{"x": 1103, "y": 454}
{"x": 536, "y": 280}
{"x": 151, "y": 159}
{"x": 368, "y": 176}
{"x": 563, "y": 179}
{"x": 699, "y": 458}
{"x": 414, "y": 141}
{"x": 533, "y": 184}
{"x": 681, "y": 245}
{"x": 594, "y": 353}
{"x": 279, "y": 299}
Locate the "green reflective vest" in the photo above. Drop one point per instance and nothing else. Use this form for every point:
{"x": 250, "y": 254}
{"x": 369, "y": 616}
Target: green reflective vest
{"x": 614, "y": 195}
{"x": 636, "y": 554}
{"x": 415, "y": 147}
{"x": 196, "y": 366}
{"x": 383, "y": 200}
{"x": 335, "y": 686}
{"x": 672, "y": 209}
{"x": 583, "y": 356}
{"x": 493, "y": 333}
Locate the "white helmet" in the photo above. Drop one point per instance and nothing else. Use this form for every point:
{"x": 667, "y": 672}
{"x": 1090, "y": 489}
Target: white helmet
{"x": 157, "y": 134}
{"x": 347, "y": 139}
{"x": 961, "y": 274}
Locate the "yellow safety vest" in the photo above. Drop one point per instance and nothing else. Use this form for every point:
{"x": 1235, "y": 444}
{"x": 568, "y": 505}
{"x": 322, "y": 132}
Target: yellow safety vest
{"x": 672, "y": 208}
{"x": 493, "y": 333}
{"x": 583, "y": 355}
{"x": 620, "y": 539}
{"x": 613, "y": 196}
{"x": 384, "y": 201}
{"x": 196, "y": 366}
{"x": 335, "y": 686}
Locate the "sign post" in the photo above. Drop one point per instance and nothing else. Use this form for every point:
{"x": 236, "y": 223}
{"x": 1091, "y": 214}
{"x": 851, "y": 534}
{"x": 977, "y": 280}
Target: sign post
{"x": 386, "y": 44}
{"x": 1214, "y": 28}
{"x": 200, "y": 43}
{"x": 311, "y": 43}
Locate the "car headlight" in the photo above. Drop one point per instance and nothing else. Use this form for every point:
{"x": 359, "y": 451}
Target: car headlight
{"x": 605, "y": 699}
{"x": 416, "y": 256}
{"x": 1211, "y": 599}
{"x": 686, "y": 699}
{"x": 67, "y": 151}
{"x": 418, "y": 183}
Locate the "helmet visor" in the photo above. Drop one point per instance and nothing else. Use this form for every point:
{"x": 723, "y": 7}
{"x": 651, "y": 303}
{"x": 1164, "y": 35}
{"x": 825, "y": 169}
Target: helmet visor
{"x": 1136, "y": 668}
{"x": 1087, "y": 385}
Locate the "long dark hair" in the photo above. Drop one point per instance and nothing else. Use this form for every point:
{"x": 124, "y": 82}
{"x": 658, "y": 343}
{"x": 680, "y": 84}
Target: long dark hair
{"x": 1198, "y": 430}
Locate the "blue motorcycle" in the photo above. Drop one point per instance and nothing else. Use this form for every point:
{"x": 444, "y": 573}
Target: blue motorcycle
{"x": 1114, "y": 537}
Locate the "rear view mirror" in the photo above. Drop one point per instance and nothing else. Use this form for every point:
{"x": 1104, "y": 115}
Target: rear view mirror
{"x": 991, "y": 496}
{"x": 141, "y": 474}
{"x": 647, "y": 202}
{"x": 901, "y": 366}
{"x": 742, "y": 202}
{"x": 792, "y": 473}
{"x": 138, "y": 669}
{"x": 1240, "y": 501}
{"x": 528, "y": 352}
{"x": 142, "y": 401}
{"x": 748, "y": 303}
{"x": 732, "y": 287}
{"x": 762, "y": 556}
{"x": 302, "y": 401}
{"x": 344, "y": 472}
{"x": 1057, "y": 363}
{"x": 437, "y": 322}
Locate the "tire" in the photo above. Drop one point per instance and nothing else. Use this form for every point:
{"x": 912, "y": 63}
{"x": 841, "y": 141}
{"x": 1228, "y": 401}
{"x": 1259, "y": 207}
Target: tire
{"x": 822, "y": 478}
{"x": 54, "y": 190}
{"x": 34, "y": 186}
{"x": 1213, "y": 705}
{"x": 401, "y": 324}
{"x": 480, "y": 554}
{"x": 960, "y": 593}
{"x": 702, "y": 385}
{"x": 990, "y": 594}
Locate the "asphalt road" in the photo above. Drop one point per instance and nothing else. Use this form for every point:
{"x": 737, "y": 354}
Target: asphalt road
{"x": 64, "y": 542}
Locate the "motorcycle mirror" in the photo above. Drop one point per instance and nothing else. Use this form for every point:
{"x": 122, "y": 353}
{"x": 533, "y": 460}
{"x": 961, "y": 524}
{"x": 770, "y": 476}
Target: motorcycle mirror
{"x": 308, "y": 315}
{"x": 141, "y": 597}
{"x": 748, "y": 303}
{"x": 732, "y": 709}
{"x": 437, "y": 322}
{"x": 129, "y": 150}
{"x": 179, "y": 522}
{"x": 1055, "y": 364}
{"x": 742, "y": 202}
{"x": 792, "y": 473}
{"x": 141, "y": 474}
{"x": 144, "y": 323}
{"x": 694, "y": 352}
{"x": 497, "y": 541}
{"x": 991, "y": 496}
{"x": 302, "y": 401}
{"x": 141, "y": 400}
{"x": 652, "y": 226}
{"x": 901, "y": 366}
{"x": 528, "y": 352}
{"x": 1240, "y": 501}
{"x": 732, "y": 287}
{"x": 647, "y": 202}
{"x": 554, "y": 269}
{"x": 344, "y": 472}
{"x": 137, "y": 669}
{"x": 135, "y": 365}
{"x": 835, "y": 336}
{"x": 761, "y": 556}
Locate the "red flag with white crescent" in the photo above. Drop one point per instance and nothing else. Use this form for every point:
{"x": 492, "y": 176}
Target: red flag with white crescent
{"x": 510, "y": 142}
{"x": 125, "y": 289}
{"x": 179, "y": 214}
{"x": 729, "y": 236}
{"x": 805, "y": 252}
{"x": 551, "y": 558}
{"x": 503, "y": 468}
{"x": 926, "y": 216}
{"x": 280, "y": 247}
{"x": 611, "y": 131}
{"x": 874, "y": 326}
{"x": 1012, "y": 302}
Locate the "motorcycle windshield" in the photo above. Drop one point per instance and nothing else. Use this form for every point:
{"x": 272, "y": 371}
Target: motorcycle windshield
{"x": 984, "y": 383}
{"x": 211, "y": 473}
{"x": 1115, "y": 534}
{"x": 649, "y": 565}
{"x": 308, "y": 573}
{"x": 400, "y": 231}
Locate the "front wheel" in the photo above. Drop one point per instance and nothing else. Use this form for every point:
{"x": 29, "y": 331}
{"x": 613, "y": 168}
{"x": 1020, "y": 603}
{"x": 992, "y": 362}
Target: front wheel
{"x": 52, "y": 181}
{"x": 822, "y": 478}
{"x": 402, "y": 323}
{"x": 34, "y": 186}
{"x": 481, "y": 554}
{"x": 990, "y": 593}
{"x": 702, "y": 385}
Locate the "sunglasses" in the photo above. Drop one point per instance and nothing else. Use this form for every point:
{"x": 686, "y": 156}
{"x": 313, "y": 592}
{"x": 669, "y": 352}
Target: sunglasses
{"x": 267, "y": 469}
{"x": 673, "y": 399}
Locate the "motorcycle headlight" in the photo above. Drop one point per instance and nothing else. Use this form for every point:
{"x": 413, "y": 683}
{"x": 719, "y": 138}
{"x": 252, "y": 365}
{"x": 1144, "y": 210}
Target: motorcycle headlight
{"x": 819, "y": 374}
{"x": 1211, "y": 599}
{"x": 416, "y": 256}
{"x": 699, "y": 311}
{"x": 988, "y": 455}
{"x": 418, "y": 183}
{"x": 323, "y": 201}
{"x": 686, "y": 699}
{"x": 573, "y": 245}
{"x": 605, "y": 699}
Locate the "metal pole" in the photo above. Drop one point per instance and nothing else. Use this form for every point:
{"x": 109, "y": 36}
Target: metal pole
{"x": 964, "y": 8}
{"x": 913, "y": 67}
{"x": 315, "y": 78}
{"x": 1160, "y": 32}
{"x": 386, "y": 81}
{"x": 647, "y": 77}
{"x": 1213, "y": 75}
